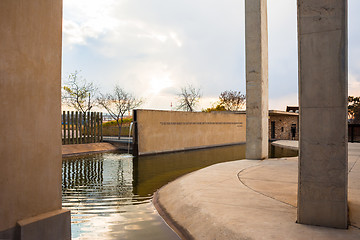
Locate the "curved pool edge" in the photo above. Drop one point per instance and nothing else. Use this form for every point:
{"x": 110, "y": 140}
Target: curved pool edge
{"x": 289, "y": 144}
{"x": 164, "y": 214}
{"x": 180, "y": 204}
{"x": 72, "y": 150}
{"x": 214, "y": 203}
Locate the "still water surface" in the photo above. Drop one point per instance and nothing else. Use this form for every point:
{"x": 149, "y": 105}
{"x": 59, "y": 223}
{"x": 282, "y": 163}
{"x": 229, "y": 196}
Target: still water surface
{"x": 109, "y": 194}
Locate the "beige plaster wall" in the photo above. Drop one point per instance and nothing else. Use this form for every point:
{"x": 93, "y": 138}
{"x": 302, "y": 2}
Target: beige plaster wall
{"x": 30, "y": 73}
{"x": 162, "y": 131}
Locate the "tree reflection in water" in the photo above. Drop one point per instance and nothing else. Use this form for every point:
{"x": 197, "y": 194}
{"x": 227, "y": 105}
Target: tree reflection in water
{"x": 109, "y": 194}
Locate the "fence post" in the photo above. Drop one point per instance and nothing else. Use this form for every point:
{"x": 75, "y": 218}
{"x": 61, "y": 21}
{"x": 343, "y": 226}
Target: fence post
{"x": 88, "y": 128}
{"x": 68, "y": 127}
{"x": 76, "y": 127}
{"x": 85, "y": 127}
{"x": 72, "y": 127}
{"x": 101, "y": 126}
{"x": 91, "y": 127}
{"x": 94, "y": 128}
{"x": 64, "y": 128}
{"x": 98, "y": 127}
{"x": 80, "y": 127}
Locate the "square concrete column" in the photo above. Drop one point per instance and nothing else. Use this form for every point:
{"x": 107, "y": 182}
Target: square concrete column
{"x": 30, "y": 121}
{"x": 257, "y": 113}
{"x": 322, "y": 191}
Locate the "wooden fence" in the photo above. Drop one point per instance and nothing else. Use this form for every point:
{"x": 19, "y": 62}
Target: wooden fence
{"x": 79, "y": 128}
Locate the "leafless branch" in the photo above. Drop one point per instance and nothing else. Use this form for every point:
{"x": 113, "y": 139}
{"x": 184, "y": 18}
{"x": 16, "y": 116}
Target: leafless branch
{"x": 188, "y": 98}
{"x": 78, "y": 93}
{"x": 118, "y": 103}
{"x": 232, "y": 100}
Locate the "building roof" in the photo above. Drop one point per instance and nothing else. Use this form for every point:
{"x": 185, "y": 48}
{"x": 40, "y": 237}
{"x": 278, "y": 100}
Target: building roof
{"x": 278, "y": 112}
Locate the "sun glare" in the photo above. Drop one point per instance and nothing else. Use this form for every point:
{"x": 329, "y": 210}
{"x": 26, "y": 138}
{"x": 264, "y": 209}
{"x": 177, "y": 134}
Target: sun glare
{"x": 159, "y": 83}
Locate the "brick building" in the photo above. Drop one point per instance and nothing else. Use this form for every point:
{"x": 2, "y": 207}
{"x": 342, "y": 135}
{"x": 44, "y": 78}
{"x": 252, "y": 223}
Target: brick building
{"x": 283, "y": 125}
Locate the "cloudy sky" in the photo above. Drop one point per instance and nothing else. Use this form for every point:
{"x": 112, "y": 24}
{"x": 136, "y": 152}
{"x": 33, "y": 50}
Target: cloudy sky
{"x": 152, "y": 48}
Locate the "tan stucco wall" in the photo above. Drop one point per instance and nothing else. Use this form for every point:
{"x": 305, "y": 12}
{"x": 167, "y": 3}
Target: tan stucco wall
{"x": 30, "y": 73}
{"x": 163, "y": 131}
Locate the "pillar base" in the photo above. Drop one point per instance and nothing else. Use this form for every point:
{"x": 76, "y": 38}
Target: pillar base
{"x": 51, "y": 225}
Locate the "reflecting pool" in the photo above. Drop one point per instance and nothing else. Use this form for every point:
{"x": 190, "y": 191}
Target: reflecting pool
{"x": 109, "y": 194}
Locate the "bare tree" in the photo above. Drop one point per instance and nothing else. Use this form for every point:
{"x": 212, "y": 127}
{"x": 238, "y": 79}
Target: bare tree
{"x": 188, "y": 98}
{"x": 232, "y": 100}
{"x": 78, "y": 93}
{"x": 354, "y": 109}
{"x": 118, "y": 103}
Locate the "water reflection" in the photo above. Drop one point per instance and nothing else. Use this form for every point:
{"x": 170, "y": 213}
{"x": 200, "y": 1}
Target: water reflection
{"x": 109, "y": 194}
{"x": 152, "y": 172}
{"x": 278, "y": 152}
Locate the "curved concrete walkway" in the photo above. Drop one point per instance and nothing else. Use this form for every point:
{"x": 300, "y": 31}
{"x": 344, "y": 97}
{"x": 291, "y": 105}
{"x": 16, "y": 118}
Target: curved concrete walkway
{"x": 88, "y": 148}
{"x": 249, "y": 199}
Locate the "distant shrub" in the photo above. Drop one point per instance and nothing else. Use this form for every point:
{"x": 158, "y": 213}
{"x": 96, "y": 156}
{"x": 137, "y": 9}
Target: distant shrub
{"x": 114, "y": 131}
{"x": 113, "y": 122}
{"x": 214, "y": 109}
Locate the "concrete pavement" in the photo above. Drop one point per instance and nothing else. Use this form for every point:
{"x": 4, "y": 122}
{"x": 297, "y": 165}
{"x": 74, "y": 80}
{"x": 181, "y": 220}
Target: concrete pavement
{"x": 249, "y": 199}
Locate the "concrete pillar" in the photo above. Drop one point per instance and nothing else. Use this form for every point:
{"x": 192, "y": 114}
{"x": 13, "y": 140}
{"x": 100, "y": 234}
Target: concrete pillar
{"x": 257, "y": 113}
{"x": 30, "y": 121}
{"x": 322, "y": 191}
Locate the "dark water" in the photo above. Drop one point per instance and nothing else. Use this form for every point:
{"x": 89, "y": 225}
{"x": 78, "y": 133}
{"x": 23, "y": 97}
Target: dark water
{"x": 109, "y": 194}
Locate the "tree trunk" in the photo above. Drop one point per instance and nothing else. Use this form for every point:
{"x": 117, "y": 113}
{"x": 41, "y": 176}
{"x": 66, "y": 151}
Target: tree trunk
{"x": 119, "y": 135}
{"x": 119, "y": 126}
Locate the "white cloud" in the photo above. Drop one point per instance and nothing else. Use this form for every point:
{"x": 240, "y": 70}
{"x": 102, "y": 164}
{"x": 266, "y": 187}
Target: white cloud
{"x": 133, "y": 40}
{"x": 280, "y": 102}
{"x": 354, "y": 85}
{"x": 176, "y": 39}
{"x": 84, "y": 19}
{"x": 207, "y": 102}
{"x": 153, "y": 48}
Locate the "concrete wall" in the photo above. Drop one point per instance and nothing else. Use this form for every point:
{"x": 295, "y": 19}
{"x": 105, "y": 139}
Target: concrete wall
{"x": 166, "y": 131}
{"x": 30, "y": 149}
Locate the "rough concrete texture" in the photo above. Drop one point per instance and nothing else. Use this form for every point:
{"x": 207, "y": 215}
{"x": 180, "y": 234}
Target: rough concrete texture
{"x": 30, "y": 100}
{"x": 322, "y": 33}
{"x": 256, "y": 44}
{"x": 77, "y": 149}
{"x": 53, "y": 225}
{"x": 249, "y": 199}
{"x": 166, "y": 131}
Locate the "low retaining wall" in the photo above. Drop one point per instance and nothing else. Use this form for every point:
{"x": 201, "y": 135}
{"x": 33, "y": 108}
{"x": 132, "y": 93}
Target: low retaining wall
{"x": 168, "y": 131}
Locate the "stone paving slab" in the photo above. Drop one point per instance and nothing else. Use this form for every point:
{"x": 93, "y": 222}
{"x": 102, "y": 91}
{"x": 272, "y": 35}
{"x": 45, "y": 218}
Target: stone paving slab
{"x": 249, "y": 199}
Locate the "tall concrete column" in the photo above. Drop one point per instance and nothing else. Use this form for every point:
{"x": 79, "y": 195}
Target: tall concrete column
{"x": 322, "y": 191}
{"x": 30, "y": 121}
{"x": 257, "y": 113}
